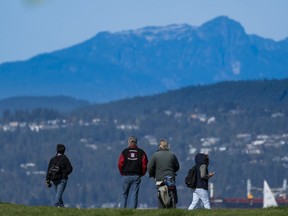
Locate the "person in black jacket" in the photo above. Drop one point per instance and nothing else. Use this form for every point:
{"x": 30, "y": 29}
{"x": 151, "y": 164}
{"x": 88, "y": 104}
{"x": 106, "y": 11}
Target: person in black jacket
{"x": 58, "y": 170}
{"x": 203, "y": 176}
{"x": 132, "y": 165}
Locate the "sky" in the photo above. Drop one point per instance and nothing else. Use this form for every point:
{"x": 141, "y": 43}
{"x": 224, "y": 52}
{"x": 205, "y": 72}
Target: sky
{"x": 32, "y": 27}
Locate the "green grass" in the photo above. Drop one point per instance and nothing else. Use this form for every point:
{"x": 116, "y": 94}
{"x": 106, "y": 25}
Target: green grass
{"x": 21, "y": 210}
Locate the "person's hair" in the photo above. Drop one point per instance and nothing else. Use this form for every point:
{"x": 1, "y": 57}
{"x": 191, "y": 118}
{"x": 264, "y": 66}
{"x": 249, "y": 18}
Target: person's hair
{"x": 132, "y": 140}
{"x": 163, "y": 144}
{"x": 60, "y": 148}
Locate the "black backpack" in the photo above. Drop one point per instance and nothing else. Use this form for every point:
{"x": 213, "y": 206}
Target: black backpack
{"x": 191, "y": 178}
{"x": 55, "y": 170}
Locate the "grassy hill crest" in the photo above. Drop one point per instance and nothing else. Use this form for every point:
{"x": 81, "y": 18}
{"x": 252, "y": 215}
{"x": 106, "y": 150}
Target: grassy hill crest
{"x": 21, "y": 210}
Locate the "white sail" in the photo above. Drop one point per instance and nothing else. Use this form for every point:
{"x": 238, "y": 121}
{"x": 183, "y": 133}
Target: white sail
{"x": 268, "y": 197}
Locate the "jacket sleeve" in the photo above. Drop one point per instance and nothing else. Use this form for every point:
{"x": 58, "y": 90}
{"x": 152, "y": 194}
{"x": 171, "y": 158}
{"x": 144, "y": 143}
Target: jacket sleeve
{"x": 176, "y": 164}
{"x": 151, "y": 167}
{"x": 144, "y": 163}
{"x": 204, "y": 171}
{"x": 67, "y": 168}
{"x": 121, "y": 163}
{"x": 48, "y": 176}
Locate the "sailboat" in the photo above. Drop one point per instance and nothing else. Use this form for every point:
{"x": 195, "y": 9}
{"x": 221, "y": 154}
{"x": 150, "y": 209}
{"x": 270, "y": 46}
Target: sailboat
{"x": 268, "y": 197}
{"x": 272, "y": 197}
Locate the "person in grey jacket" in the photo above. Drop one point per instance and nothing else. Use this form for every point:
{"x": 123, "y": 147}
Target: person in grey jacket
{"x": 163, "y": 163}
{"x": 201, "y": 190}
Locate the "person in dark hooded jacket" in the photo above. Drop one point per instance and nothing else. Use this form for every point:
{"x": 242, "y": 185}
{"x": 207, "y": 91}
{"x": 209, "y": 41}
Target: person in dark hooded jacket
{"x": 203, "y": 176}
{"x": 60, "y": 179}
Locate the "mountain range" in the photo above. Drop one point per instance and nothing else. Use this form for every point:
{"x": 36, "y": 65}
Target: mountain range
{"x": 146, "y": 61}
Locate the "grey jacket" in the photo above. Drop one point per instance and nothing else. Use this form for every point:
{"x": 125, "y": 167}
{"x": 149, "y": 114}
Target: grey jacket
{"x": 163, "y": 163}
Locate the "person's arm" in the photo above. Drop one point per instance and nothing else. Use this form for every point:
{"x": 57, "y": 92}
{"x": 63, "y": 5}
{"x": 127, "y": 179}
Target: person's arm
{"x": 176, "y": 164}
{"x": 48, "y": 175}
{"x": 204, "y": 172}
{"x": 151, "y": 167}
{"x": 67, "y": 167}
{"x": 121, "y": 163}
{"x": 144, "y": 163}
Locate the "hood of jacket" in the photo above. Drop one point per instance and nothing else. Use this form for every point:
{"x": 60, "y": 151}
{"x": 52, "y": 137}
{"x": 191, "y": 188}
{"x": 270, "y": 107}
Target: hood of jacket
{"x": 201, "y": 158}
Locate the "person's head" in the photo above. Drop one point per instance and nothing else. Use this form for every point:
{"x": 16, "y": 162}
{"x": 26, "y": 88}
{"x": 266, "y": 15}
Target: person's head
{"x": 202, "y": 158}
{"x": 60, "y": 149}
{"x": 132, "y": 141}
{"x": 163, "y": 145}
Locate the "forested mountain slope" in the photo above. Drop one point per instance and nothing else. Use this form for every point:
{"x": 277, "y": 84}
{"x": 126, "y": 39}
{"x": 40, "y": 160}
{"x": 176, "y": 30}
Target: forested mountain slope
{"x": 242, "y": 125}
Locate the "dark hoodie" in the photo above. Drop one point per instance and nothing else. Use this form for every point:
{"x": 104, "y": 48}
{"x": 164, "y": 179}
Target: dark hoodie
{"x": 202, "y": 162}
{"x": 65, "y": 167}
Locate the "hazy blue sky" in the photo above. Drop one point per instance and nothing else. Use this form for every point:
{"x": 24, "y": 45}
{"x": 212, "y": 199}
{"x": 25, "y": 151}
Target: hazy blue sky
{"x": 31, "y": 27}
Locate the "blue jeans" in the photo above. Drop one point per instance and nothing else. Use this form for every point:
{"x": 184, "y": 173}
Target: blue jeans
{"x": 131, "y": 185}
{"x": 59, "y": 187}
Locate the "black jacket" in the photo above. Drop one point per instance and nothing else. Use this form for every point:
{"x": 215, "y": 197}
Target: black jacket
{"x": 64, "y": 164}
{"x": 202, "y": 163}
{"x": 133, "y": 161}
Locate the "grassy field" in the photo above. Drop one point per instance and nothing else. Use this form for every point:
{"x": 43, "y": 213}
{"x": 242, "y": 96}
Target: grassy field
{"x": 20, "y": 210}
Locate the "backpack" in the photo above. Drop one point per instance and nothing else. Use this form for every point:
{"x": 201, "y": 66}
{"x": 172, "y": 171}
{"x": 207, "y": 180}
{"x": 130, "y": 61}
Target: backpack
{"x": 165, "y": 193}
{"x": 55, "y": 170}
{"x": 191, "y": 178}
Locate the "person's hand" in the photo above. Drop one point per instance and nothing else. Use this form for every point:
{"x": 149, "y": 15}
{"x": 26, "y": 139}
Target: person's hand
{"x": 211, "y": 174}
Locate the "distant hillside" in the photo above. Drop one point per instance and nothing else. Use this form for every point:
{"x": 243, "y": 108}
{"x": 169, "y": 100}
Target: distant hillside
{"x": 241, "y": 124}
{"x": 230, "y": 95}
{"x": 150, "y": 60}
{"x": 60, "y": 103}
